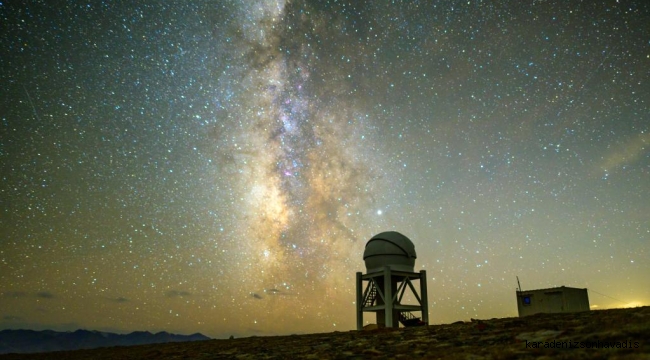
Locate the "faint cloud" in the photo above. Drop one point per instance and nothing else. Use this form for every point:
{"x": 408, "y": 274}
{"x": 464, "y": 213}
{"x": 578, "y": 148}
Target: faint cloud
{"x": 278, "y": 292}
{"x": 44, "y": 295}
{"x": 11, "y": 318}
{"x": 119, "y": 300}
{"x": 176, "y": 293}
{"x": 626, "y": 154}
{"x": 23, "y": 294}
{"x": 14, "y": 294}
{"x": 256, "y": 296}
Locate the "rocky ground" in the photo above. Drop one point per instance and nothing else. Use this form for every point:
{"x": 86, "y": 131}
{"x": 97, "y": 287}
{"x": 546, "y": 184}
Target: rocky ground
{"x": 564, "y": 336}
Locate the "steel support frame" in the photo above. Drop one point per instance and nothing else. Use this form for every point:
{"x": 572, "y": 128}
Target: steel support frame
{"x": 391, "y": 301}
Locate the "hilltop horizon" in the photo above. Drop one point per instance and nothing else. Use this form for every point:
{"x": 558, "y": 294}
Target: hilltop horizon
{"x": 235, "y": 334}
{"x": 586, "y": 335}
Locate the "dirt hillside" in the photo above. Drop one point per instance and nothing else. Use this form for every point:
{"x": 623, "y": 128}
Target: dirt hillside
{"x": 600, "y": 334}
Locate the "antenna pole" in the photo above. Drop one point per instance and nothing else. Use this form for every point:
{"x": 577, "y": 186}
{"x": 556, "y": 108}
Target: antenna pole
{"x": 518, "y": 284}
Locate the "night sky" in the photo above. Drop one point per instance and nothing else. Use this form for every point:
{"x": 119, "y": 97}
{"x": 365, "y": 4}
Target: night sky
{"x": 218, "y": 166}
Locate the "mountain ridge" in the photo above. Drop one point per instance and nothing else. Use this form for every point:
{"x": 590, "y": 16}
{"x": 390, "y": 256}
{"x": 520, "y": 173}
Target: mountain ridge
{"x": 33, "y": 341}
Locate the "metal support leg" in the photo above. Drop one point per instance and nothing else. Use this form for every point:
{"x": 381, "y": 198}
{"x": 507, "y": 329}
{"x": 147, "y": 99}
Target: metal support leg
{"x": 388, "y": 296}
{"x": 359, "y": 302}
{"x": 424, "y": 296}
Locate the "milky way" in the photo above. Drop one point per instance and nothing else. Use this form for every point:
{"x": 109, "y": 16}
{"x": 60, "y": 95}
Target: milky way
{"x": 217, "y": 166}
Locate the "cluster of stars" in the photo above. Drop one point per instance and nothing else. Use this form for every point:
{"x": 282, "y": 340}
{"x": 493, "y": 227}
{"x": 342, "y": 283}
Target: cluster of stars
{"x": 218, "y": 167}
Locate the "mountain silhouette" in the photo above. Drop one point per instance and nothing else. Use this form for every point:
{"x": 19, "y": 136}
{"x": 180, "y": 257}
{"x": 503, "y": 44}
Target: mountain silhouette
{"x": 31, "y": 341}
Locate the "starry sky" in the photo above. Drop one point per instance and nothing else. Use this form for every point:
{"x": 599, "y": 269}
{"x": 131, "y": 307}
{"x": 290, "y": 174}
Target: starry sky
{"x": 218, "y": 166}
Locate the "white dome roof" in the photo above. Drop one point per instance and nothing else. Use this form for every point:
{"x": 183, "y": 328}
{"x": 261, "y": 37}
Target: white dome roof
{"x": 392, "y": 249}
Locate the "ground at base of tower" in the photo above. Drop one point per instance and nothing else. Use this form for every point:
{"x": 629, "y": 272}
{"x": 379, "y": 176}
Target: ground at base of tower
{"x": 598, "y": 334}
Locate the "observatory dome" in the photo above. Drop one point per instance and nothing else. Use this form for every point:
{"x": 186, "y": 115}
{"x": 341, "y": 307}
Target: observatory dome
{"x": 392, "y": 249}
